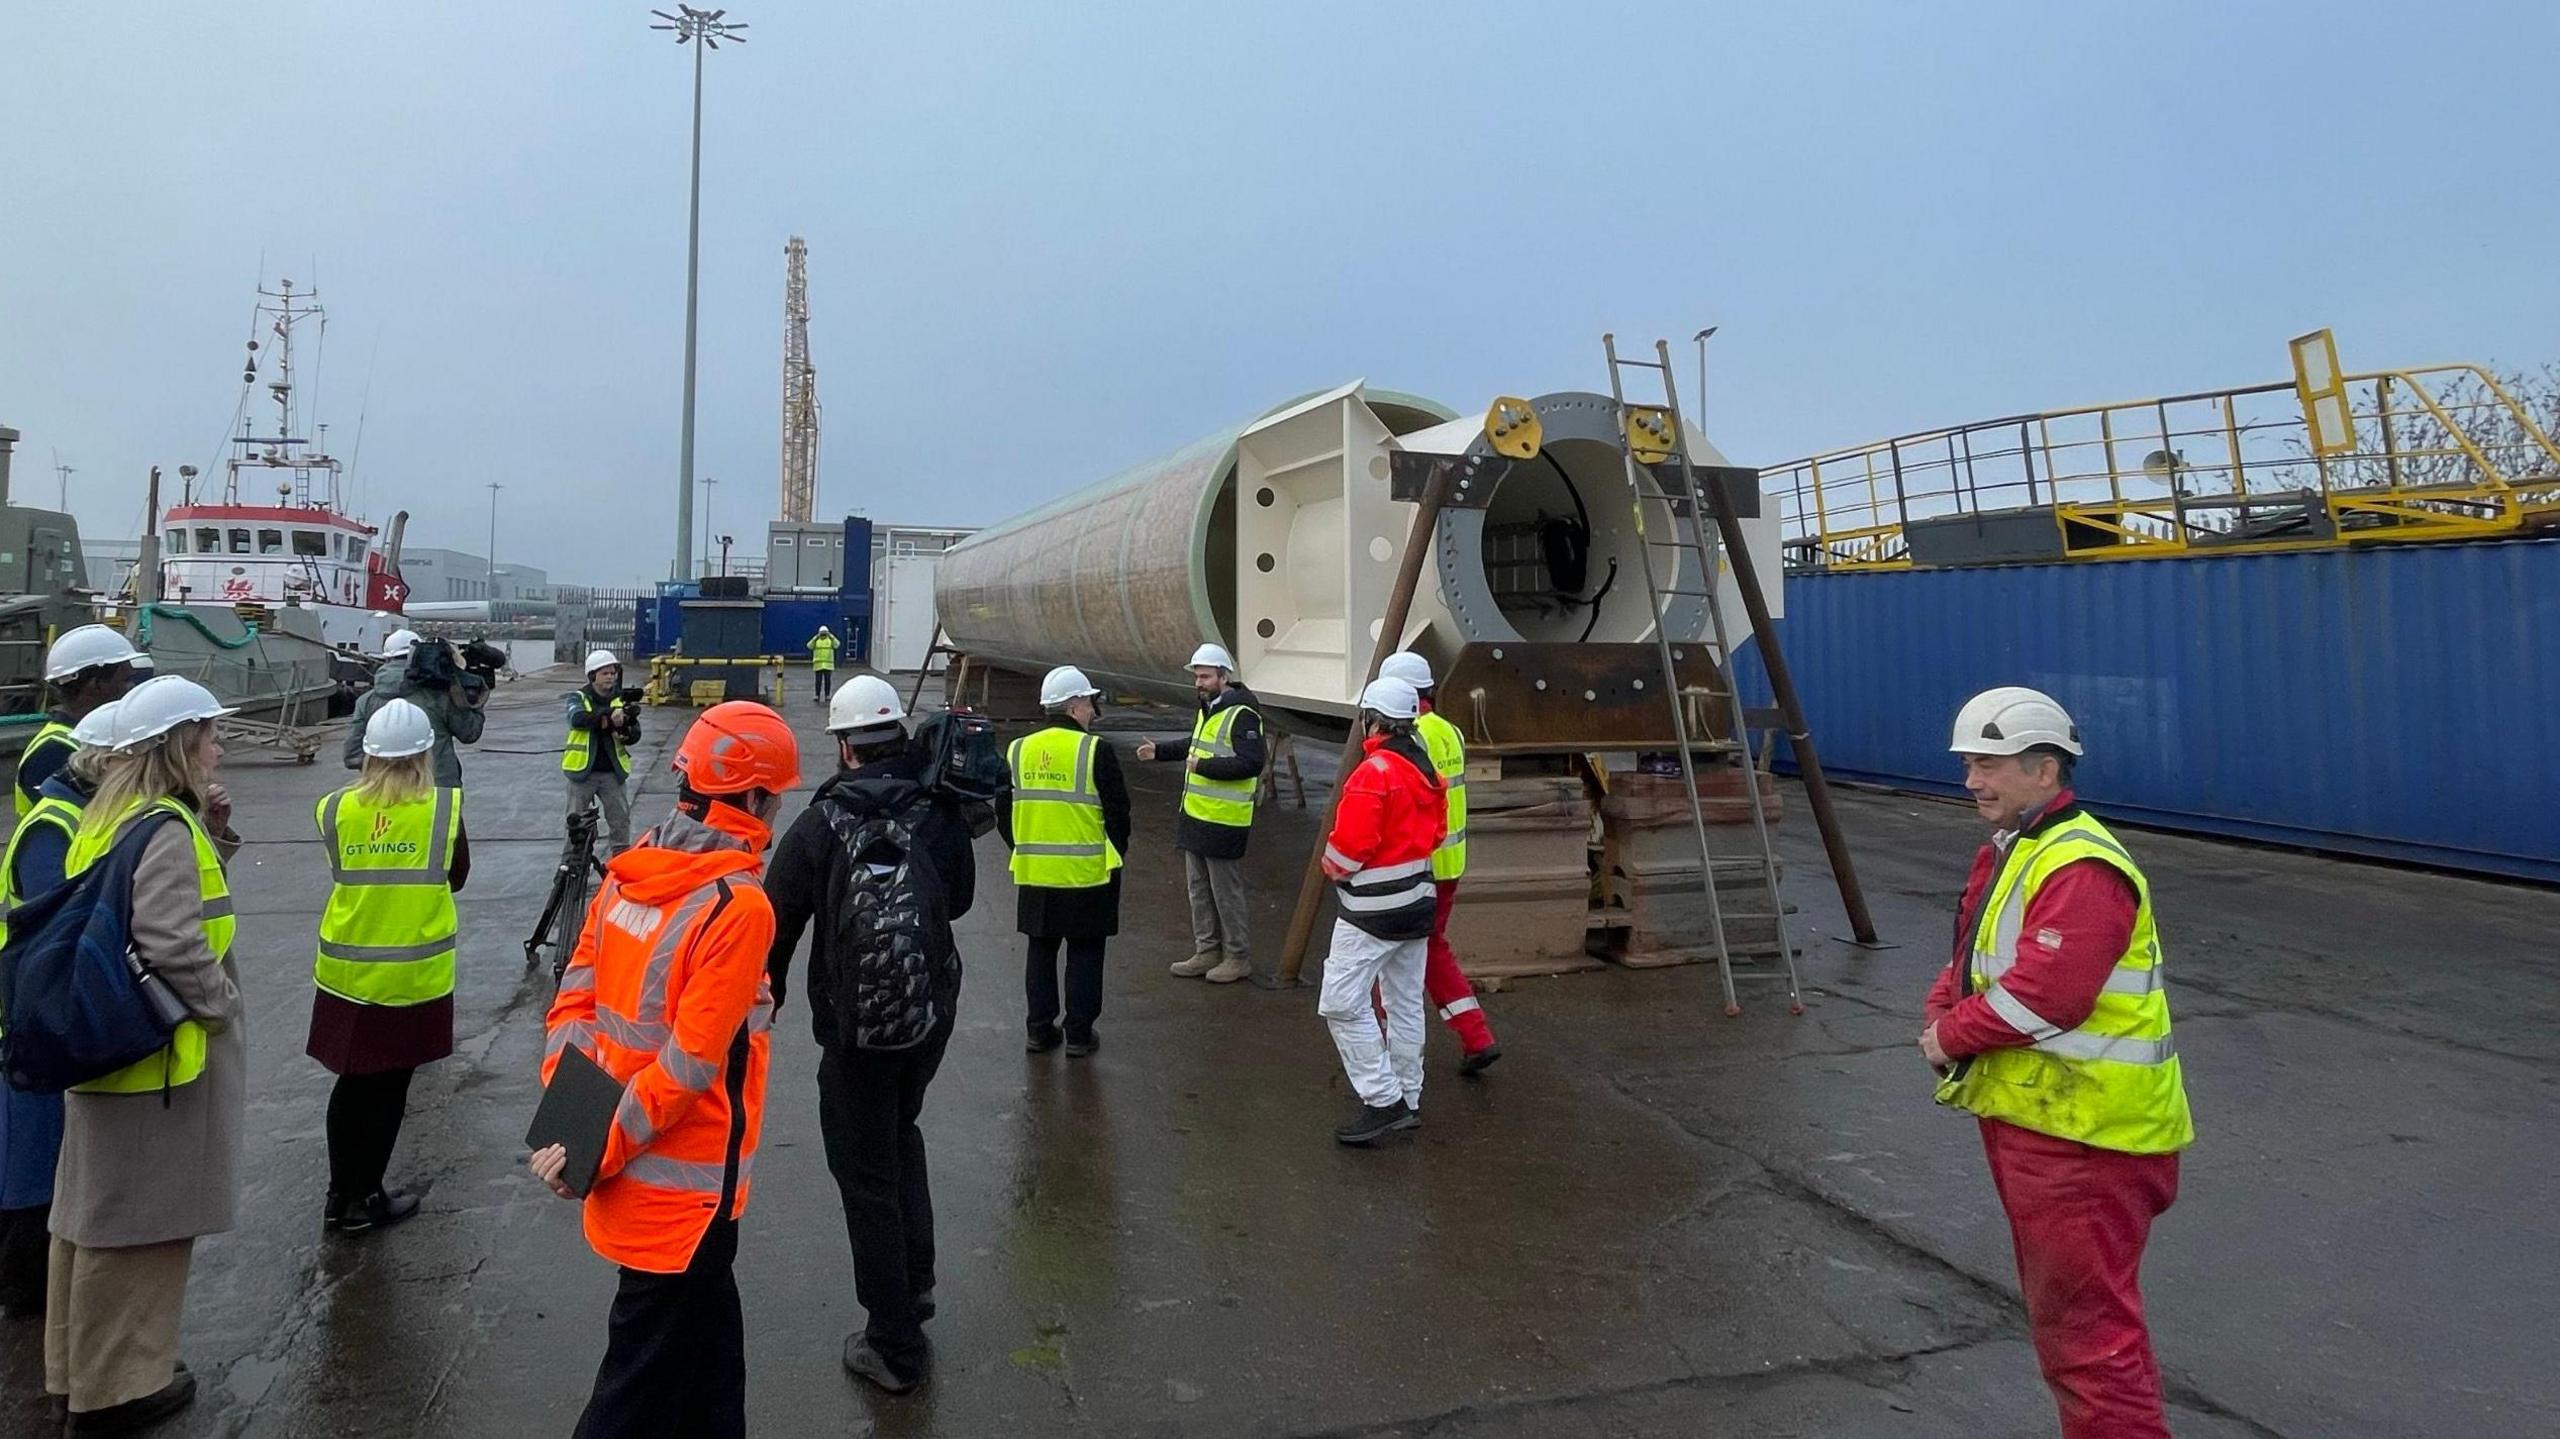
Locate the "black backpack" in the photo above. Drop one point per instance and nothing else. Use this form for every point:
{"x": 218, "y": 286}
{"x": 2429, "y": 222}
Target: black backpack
{"x": 881, "y": 977}
{"x": 79, "y": 1004}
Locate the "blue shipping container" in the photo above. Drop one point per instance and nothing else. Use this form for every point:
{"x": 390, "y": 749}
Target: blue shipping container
{"x": 2398, "y": 701}
{"x": 788, "y": 624}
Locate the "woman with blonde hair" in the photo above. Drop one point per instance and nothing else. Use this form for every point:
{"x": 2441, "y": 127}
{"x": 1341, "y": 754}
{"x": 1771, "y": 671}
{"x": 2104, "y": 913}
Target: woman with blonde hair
{"x": 384, "y": 972}
{"x": 150, "y": 1153}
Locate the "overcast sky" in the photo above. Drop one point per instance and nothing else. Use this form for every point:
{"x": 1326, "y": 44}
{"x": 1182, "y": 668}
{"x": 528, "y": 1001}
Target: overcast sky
{"x": 1048, "y": 239}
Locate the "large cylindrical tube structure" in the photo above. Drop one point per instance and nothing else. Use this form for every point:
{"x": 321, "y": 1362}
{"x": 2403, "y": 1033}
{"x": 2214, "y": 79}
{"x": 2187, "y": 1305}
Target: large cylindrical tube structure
{"x": 1279, "y": 539}
{"x": 1124, "y": 577}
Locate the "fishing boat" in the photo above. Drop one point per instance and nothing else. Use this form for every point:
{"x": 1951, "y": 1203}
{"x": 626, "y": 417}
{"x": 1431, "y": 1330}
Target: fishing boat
{"x": 273, "y": 532}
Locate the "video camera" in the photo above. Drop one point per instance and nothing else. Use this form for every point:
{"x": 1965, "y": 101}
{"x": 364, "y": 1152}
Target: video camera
{"x": 963, "y": 762}
{"x": 631, "y": 694}
{"x": 438, "y": 664}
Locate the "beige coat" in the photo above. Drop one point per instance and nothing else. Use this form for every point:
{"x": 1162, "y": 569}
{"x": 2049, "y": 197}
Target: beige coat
{"x": 136, "y": 1171}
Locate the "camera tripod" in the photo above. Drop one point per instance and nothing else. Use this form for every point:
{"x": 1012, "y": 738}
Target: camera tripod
{"x": 565, "y": 910}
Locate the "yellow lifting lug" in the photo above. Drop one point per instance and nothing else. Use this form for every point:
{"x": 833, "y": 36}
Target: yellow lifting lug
{"x": 1512, "y": 425}
{"x": 1649, "y": 435}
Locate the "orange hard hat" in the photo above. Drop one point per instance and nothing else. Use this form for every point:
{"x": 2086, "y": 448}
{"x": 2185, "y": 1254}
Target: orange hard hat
{"x": 738, "y": 746}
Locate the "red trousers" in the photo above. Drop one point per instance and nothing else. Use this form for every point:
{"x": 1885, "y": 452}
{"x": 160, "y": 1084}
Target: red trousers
{"x": 2079, "y": 1216}
{"x": 1447, "y": 985}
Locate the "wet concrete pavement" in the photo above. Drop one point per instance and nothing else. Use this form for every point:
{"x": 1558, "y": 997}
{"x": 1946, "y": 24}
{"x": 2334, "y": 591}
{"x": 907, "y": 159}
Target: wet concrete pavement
{"x": 1648, "y": 1220}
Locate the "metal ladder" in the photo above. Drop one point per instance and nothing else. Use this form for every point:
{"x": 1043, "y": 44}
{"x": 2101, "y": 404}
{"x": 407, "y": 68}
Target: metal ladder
{"x": 1649, "y": 435}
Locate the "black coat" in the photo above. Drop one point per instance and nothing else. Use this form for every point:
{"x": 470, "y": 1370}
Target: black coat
{"x": 806, "y": 879}
{"x": 1198, "y": 836}
{"x": 1094, "y": 913}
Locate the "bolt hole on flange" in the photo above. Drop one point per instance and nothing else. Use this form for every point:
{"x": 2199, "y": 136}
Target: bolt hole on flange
{"x": 1265, "y": 628}
{"x": 1265, "y": 498}
{"x": 1266, "y": 562}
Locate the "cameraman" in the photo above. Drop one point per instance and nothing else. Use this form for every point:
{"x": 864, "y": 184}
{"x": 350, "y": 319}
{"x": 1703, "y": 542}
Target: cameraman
{"x": 426, "y": 674}
{"x": 602, "y": 726}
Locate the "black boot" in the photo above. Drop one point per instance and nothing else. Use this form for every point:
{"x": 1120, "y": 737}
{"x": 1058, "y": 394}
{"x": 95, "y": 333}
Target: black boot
{"x": 135, "y": 1415}
{"x": 1477, "y": 1061}
{"x": 1041, "y": 1040}
{"x": 1376, "y": 1121}
{"x": 385, "y": 1208}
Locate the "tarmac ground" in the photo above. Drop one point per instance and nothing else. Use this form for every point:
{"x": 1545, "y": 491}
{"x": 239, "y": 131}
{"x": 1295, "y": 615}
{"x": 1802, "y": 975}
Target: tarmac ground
{"x": 1648, "y": 1220}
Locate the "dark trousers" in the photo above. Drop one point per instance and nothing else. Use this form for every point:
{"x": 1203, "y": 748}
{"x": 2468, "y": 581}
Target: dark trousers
{"x": 1084, "y": 985}
{"x": 675, "y": 1357}
{"x": 826, "y": 682}
{"x": 364, "y": 1123}
{"x": 24, "y": 1247}
{"x": 868, "y": 1101}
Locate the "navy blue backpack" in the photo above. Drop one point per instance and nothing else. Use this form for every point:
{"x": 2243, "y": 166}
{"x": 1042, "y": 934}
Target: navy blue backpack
{"x": 76, "y": 1001}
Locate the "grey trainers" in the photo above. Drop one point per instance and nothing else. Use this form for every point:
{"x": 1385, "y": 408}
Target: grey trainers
{"x": 1230, "y": 969}
{"x": 1370, "y": 1123}
{"x": 1197, "y": 965}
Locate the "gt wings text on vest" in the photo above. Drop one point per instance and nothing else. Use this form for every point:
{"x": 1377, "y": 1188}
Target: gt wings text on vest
{"x": 1058, "y": 839}
{"x": 387, "y": 936}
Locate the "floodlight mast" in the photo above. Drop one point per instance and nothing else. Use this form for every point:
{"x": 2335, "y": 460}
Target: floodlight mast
{"x": 702, "y": 29}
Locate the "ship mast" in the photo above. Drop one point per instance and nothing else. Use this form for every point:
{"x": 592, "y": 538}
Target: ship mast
{"x": 284, "y": 450}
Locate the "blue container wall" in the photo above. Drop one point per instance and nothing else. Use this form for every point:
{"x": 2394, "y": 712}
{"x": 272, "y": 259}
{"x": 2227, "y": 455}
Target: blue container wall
{"x": 857, "y": 565}
{"x": 2399, "y": 701}
{"x": 788, "y": 624}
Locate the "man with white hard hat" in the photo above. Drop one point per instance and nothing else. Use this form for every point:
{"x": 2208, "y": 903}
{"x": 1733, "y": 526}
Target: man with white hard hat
{"x": 1451, "y": 993}
{"x": 87, "y": 667}
{"x": 603, "y": 724}
{"x": 883, "y": 1001}
{"x": 1388, "y": 819}
{"x": 1222, "y": 769}
{"x": 2052, "y": 1027}
{"x": 1067, "y": 818}
{"x": 453, "y": 707}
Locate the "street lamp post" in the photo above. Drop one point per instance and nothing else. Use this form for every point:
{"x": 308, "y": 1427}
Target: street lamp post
{"x": 702, "y": 29}
{"x": 1699, "y": 405}
{"x": 707, "y": 483}
{"x": 494, "y": 487}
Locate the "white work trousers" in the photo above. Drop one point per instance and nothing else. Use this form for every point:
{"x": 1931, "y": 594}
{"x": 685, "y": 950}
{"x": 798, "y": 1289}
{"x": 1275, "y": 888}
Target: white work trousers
{"x": 1384, "y": 1061}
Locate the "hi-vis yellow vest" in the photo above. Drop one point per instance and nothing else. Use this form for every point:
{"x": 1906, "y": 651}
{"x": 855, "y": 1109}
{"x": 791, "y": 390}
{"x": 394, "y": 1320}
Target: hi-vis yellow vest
{"x": 387, "y": 936}
{"x": 1449, "y": 756}
{"x": 1058, "y": 841}
{"x": 54, "y": 733}
{"x": 1217, "y": 801}
{"x": 822, "y": 652}
{"x": 574, "y": 757}
{"x": 2114, "y": 1082}
{"x": 181, "y": 1061}
{"x": 60, "y": 814}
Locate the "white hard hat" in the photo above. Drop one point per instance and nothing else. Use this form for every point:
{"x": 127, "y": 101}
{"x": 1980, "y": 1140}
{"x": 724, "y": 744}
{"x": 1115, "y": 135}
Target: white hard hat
{"x": 400, "y": 643}
{"x": 1392, "y": 697}
{"x": 1063, "y": 684}
{"x": 88, "y": 647}
{"x": 159, "y": 705}
{"x": 2012, "y": 720}
{"x": 864, "y": 707}
{"x": 1214, "y": 655}
{"x": 97, "y": 728}
{"x": 601, "y": 659}
{"x": 1407, "y": 666}
{"x": 398, "y": 730}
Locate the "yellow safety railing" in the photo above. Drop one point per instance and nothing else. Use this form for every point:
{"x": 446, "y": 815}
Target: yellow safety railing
{"x": 2440, "y": 452}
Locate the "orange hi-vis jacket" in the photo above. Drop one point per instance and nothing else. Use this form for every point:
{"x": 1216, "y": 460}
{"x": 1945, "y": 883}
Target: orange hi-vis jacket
{"x": 667, "y": 991}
